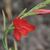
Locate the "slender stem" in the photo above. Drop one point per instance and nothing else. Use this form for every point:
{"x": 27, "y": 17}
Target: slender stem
{"x": 4, "y": 20}
{"x": 10, "y": 49}
{"x": 15, "y": 45}
{"x": 4, "y": 34}
{"x": 6, "y": 42}
{"x": 22, "y": 12}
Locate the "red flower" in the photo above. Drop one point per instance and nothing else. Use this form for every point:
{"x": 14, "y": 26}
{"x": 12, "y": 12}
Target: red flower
{"x": 22, "y": 28}
{"x": 41, "y": 11}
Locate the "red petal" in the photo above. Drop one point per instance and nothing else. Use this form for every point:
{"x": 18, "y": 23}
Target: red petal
{"x": 23, "y": 23}
{"x": 29, "y": 27}
{"x": 17, "y": 35}
{"x": 18, "y": 22}
{"x": 24, "y": 32}
{"x": 41, "y": 11}
{"x": 22, "y": 27}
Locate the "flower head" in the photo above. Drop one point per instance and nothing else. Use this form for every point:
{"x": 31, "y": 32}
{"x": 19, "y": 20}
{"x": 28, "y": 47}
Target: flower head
{"x": 22, "y": 28}
{"x": 41, "y": 11}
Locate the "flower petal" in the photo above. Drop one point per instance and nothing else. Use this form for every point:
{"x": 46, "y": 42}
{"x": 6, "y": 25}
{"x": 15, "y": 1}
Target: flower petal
{"x": 22, "y": 28}
{"x": 16, "y": 35}
{"x": 41, "y": 11}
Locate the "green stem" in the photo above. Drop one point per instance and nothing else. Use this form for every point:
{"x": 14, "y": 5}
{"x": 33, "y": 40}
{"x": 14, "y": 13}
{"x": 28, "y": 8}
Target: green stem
{"x": 4, "y": 20}
{"x": 22, "y": 12}
{"x": 4, "y": 38}
{"x": 15, "y": 45}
